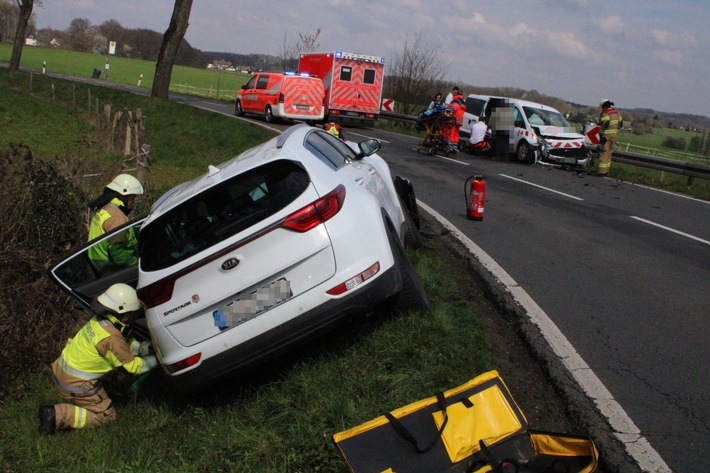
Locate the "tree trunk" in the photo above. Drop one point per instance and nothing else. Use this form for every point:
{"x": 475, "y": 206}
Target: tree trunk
{"x": 25, "y": 14}
{"x": 169, "y": 48}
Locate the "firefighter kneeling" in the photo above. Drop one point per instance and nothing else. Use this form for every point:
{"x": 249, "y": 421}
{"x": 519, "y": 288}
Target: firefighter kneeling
{"x": 96, "y": 350}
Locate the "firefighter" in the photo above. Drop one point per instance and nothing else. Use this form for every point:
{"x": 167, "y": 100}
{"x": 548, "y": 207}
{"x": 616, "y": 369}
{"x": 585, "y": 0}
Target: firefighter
{"x": 95, "y": 351}
{"x": 610, "y": 122}
{"x": 334, "y": 129}
{"x": 459, "y": 105}
{"x": 112, "y": 210}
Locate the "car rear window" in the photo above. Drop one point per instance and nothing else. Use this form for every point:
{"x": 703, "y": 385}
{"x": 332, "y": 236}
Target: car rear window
{"x": 219, "y": 213}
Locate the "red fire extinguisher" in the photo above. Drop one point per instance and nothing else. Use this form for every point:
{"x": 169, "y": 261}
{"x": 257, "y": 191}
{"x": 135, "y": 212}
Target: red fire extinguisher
{"x": 475, "y": 197}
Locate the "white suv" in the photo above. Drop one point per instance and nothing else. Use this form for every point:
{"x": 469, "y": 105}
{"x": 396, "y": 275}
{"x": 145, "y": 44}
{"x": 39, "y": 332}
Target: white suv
{"x": 263, "y": 251}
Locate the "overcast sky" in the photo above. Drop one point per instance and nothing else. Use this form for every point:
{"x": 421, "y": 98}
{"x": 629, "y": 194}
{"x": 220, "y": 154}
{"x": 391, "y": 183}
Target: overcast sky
{"x": 643, "y": 53}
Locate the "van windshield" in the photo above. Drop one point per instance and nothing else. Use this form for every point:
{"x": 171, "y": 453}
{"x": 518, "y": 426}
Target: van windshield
{"x": 540, "y": 117}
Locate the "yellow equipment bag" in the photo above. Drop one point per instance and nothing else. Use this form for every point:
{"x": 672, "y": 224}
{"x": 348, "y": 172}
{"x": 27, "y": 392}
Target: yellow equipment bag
{"x": 476, "y": 427}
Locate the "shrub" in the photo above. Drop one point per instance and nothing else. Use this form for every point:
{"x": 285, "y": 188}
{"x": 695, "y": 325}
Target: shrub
{"x": 675, "y": 143}
{"x": 41, "y": 211}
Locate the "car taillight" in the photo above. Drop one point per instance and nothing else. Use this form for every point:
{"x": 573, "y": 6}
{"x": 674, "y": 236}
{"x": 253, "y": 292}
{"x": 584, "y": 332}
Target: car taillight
{"x": 334, "y": 112}
{"x": 157, "y": 293}
{"x": 316, "y": 212}
{"x": 182, "y": 364}
{"x": 355, "y": 281}
{"x": 281, "y": 97}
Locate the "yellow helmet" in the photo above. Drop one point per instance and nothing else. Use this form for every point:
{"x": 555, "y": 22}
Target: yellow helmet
{"x": 120, "y": 298}
{"x": 125, "y": 184}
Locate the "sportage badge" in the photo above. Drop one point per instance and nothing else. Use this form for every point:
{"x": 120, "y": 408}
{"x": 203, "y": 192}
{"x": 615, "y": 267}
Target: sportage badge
{"x": 231, "y": 263}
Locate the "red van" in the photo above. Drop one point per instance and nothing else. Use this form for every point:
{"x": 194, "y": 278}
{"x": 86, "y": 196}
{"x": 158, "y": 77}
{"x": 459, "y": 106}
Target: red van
{"x": 281, "y": 95}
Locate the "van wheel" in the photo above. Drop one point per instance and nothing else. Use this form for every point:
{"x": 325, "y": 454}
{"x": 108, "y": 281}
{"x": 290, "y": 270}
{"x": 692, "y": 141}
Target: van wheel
{"x": 524, "y": 154}
{"x": 268, "y": 114}
{"x": 238, "y": 109}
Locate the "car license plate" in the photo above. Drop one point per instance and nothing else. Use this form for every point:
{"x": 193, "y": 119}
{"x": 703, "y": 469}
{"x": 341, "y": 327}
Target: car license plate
{"x": 251, "y": 305}
{"x": 303, "y": 107}
{"x": 352, "y": 114}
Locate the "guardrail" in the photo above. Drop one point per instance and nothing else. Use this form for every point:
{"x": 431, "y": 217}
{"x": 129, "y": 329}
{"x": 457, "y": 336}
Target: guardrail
{"x": 685, "y": 168}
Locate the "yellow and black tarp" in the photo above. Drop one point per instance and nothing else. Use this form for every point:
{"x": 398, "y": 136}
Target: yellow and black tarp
{"x": 475, "y": 427}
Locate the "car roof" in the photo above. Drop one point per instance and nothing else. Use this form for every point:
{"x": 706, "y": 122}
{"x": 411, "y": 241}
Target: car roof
{"x": 284, "y": 146}
{"x": 524, "y": 103}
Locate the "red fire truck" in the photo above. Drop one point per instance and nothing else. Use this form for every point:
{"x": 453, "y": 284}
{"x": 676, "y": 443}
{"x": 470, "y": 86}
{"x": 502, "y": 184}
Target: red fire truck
{"x": 353, "y": 84}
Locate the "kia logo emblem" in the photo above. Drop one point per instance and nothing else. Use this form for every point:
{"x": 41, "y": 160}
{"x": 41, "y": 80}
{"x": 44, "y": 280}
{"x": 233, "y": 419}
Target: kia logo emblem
{"x": 231, "y": 263}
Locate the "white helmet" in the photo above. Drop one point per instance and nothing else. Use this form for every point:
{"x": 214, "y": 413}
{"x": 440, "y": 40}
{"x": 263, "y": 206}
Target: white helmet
{"x": 120, "y": 298}
{"x": 125, "y": 184}
{"x": 605, "y": 101}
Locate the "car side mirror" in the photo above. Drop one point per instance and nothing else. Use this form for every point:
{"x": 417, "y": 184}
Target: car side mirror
{"x": 367, "y": 148}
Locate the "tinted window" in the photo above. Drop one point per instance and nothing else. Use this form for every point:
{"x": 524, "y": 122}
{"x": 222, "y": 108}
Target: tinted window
{"x": 250, "y": 84}
{"x": 262, "y": 82}
{"x": 346, "y": 73}
{"x": 332, "y": 151}
{"x": 369, "y": 77}
{"x": 219, "y": 213}
{"x": 475, "y": 106}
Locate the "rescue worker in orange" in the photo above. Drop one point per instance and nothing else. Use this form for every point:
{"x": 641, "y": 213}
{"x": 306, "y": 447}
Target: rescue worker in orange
{"x": 112, "y": 210}
{"x": 95, "y": 351}
{"x": 459, "y": 105}
{"x": 610, "y": 122}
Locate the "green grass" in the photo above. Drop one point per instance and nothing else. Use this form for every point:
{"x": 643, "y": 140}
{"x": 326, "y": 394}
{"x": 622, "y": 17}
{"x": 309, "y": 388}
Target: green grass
{"x": 216, "y": 84}
{"x": 282, "y": 417}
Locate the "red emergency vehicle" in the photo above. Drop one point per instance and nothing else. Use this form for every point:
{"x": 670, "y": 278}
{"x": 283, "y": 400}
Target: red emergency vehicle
{"x": 353, "y": 84}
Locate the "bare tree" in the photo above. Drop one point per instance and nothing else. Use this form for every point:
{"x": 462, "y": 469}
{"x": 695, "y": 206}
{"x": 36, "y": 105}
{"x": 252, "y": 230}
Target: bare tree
{"x": 288, "y": 55}
{"x": 308, "y": 42}
{"x": 25, "y": 14}
{"x": 81, "y": 35}
{"x": 169, "y": 48}
{"x": 412, "y": 74}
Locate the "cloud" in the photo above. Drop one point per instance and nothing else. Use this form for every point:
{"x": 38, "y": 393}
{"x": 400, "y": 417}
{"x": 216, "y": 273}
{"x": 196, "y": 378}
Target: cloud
{"x": 674, "y": 58}
{"x": 673, "y": 40}
{"x": 611, "y": 25}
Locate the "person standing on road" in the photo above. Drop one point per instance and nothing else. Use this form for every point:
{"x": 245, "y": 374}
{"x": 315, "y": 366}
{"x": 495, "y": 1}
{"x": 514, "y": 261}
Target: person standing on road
{"x": 112, "y": 209}
{"x": 436, "y": 103}
{"x": 610, "y": 122}
{"x": 459, "y": 106}
{"x": 450, "y": 96}
{"x": 96, "y": 350}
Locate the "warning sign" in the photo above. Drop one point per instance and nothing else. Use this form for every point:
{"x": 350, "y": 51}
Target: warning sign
{"x": 387, "y": 105}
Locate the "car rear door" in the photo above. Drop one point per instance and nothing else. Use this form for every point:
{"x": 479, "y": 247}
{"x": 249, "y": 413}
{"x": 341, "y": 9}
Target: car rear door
{"x": 78, "y": 276}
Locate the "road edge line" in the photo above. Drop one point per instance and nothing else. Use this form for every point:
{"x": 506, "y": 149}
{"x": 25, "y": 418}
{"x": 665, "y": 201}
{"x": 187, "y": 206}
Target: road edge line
{"x": 624, "y": 429}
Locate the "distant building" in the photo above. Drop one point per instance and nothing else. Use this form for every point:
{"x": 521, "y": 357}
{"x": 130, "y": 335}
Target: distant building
{"x": 55, "y": 43}
{"x": 32, "y": 40}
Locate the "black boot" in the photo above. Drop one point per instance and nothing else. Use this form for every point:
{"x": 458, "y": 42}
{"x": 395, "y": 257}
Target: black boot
{"x": 46, "y": 419}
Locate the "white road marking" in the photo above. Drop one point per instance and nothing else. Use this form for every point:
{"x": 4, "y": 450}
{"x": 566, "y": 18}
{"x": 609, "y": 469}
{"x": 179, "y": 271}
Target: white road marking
{"x": 624, "y": 428}
{"x": 540, "y": 187}
{"x": 677, "y": 232}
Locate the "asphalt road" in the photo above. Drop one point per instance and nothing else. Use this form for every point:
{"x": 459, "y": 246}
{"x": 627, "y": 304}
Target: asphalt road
{"x": 622, "y": 270}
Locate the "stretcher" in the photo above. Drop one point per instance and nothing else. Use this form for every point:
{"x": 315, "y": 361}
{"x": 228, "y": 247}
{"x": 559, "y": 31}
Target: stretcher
{"x": 437, "y": 124}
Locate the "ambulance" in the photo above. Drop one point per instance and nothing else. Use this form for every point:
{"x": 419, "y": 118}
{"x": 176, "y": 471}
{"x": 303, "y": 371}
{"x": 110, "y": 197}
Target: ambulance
{"x": 537, "y": 132}
{"x": 277, "y": 96}
{"x": 353, "y": 84}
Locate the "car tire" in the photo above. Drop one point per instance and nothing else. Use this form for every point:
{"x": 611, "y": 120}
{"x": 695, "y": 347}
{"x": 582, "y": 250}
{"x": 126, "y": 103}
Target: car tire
{"x": 524, "y": 154}
{"x": 238, "y": 111}
{"x": 412, "y": 238}
{"x": 412, "y": 297}
{"x": 269, "y": 114}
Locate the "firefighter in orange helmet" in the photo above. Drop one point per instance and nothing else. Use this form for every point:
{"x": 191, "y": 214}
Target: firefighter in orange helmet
{"x": 96, "y": 350}
{"x": 334, "y": 129}
{"x": 610, "y": 122}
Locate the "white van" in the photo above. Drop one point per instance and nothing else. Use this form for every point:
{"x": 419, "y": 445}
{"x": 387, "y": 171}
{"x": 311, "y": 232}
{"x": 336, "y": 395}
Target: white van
{"x": 540, "y": 132}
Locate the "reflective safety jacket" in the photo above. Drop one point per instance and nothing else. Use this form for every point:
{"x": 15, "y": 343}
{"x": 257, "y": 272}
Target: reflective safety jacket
{"x": 99, "y": 348}
{"x": 610, "y": 122}
{"x": 459, "y": 105}
{"x": 120, "y": 249}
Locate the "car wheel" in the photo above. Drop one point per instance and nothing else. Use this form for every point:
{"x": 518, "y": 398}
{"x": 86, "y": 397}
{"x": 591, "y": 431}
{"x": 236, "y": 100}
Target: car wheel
{"x": 524, "y": 154}
{"x": 268, "y": 114}
{"x": 412, "y": 297}
{"x": 238, "y": 111}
